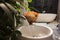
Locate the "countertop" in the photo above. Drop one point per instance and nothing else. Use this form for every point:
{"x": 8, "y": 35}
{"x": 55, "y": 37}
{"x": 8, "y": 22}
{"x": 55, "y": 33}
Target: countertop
{"x": 53, "y": 25}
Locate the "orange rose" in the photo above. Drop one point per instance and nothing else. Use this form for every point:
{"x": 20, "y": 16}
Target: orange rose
{"x": 31, "y": 16}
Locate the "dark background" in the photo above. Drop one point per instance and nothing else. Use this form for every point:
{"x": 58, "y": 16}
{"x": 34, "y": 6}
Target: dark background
{"x": 50, "y": 6}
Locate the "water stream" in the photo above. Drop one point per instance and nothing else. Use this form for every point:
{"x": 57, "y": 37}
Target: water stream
{"x": 31, "y": 29}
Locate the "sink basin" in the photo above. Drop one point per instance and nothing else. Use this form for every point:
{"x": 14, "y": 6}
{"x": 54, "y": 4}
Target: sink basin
{"x": 46, "y": 17}
{"x": 36, "y": 33}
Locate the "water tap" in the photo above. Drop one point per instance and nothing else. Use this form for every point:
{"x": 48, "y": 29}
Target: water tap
{"x": 23, "y": 21}
{"x": 58, "y": 26}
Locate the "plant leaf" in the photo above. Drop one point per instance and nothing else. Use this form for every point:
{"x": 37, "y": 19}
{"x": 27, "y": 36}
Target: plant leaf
{"x": 18, "y": 3}
{"x": 29, "y": 1}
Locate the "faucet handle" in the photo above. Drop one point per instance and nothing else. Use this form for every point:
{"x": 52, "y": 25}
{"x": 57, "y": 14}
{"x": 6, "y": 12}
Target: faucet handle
{"x": 58, "y": 26}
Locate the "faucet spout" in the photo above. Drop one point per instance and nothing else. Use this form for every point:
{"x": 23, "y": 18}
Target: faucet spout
{"x": 22, "y": 17}
{"x": 23, "y": 21}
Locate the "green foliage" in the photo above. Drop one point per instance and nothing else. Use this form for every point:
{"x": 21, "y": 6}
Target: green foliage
{"x": 25, "y": 5}
{"x": 7, "y": 21}
{"x": 29, "y": 1}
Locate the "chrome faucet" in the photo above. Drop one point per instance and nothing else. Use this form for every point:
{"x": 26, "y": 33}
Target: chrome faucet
{"x": 23, "y": 21}
{"x": 58, "y": 26}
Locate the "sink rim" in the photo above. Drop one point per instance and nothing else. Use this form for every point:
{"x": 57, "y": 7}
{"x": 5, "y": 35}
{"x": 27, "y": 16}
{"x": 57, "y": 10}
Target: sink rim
{"x": 50, "y": 34}
{"x": 47, "y": 13}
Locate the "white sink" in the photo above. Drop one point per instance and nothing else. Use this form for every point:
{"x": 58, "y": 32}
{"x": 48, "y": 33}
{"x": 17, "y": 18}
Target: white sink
{"x": 36, "y": 33}
{"x": 46, "y": 17}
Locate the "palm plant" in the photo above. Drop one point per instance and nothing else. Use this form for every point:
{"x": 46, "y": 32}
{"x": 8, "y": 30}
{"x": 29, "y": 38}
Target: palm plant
{"x": 8, "y": 21}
